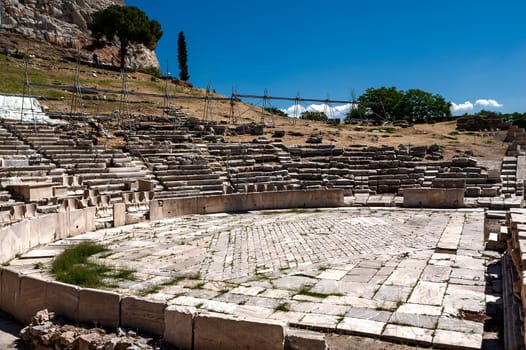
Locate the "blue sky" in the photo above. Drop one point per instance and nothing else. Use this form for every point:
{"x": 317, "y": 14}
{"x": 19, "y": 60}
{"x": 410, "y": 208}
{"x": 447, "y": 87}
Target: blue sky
{"x": 467, "y": 51}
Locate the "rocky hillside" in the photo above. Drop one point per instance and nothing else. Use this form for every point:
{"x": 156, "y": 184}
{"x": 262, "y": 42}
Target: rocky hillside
{"x": 63, "y": 23}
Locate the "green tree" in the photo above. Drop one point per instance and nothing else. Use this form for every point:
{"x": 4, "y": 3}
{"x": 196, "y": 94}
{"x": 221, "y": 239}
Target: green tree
{"x": 128, "y": 24}
{"x": 390, "y": 104}
{"x": 384, "y": 103}
{"x": 182, "y": 57}
{"x": 424, "y": 106}
{"x": 314, "y": 115}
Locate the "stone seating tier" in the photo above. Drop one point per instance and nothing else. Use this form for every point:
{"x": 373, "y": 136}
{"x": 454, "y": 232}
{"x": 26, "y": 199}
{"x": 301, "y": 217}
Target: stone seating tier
{"x": 186, "y": 193}
{"x": 109, "y": 176}
{"x": 30, "y": 170}
{"x": 115, "y": 189}
{"x": 198, "y": 177}
{"x": 241, "y": 173}
{"x": 202, "y": 188}
{"x": 182, "y": 172}
{"x": 240, "y": 162}
{"x": 13, "y": 145}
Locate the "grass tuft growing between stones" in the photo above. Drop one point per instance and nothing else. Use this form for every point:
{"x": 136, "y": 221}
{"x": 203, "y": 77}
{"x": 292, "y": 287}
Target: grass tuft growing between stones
{"x": 284, "y": 307}
{"x": 74, "y": 267}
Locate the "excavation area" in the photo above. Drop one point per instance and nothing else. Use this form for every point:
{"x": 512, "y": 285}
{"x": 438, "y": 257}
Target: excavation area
{"x": 413, "y": 276}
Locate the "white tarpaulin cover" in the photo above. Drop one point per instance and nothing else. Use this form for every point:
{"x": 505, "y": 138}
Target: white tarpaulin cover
{"x": 22, "y": 108}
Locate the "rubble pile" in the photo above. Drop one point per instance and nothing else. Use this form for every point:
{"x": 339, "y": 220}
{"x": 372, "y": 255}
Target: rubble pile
{"x": 44, "y": 333}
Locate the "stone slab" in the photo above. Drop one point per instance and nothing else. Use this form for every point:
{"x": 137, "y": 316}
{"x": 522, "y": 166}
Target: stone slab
{"x": 393, "y": 293}
{"x": 300, "y": 339}
{"x": 360, "y": 326}
{"x": 9, "y": 293}
{"x": 211, "y": 329}
{"x": 178, "y": 326}
{"x": 451, "y": 236}
{"x": 457, "y": 340}
{"x": 100, "y": 307}
{"x": 320, "y": 322}
{"x": 369, "y": 314}
{"x": 435, "y": 273}
{"x": 428, "y": 293}
{"x": 406, "y": 277}
{"x": 143, "y": 314}
{"x": 419, "y": 309}
{"x": 63, "y": 299}
{"x": 32, "y": 298}
{"x": 464, "y": 326}
{"x": 414, "y": 320}
{"x": 332, "y": 274}
{"x": 414, "y": 335}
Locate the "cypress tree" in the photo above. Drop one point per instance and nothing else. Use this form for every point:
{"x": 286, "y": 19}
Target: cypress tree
{"x": 182, "y": 57}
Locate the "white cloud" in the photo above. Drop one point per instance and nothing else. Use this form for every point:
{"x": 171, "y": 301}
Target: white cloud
{"x": 466, "y": 106}
{"x": 488, "y": 103}
{"x": 294, "y": 110}
{"x": 331, "y": 111}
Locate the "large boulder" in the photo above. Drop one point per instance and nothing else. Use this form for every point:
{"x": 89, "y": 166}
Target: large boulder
{"x": 65, "y": 23}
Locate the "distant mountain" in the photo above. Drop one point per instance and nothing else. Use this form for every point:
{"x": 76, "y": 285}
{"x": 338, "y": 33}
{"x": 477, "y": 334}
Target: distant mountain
{"x": 63, "y": 23}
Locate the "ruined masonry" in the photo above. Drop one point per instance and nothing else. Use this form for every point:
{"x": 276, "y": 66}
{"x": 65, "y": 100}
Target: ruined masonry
{"x": 388, "y": 242}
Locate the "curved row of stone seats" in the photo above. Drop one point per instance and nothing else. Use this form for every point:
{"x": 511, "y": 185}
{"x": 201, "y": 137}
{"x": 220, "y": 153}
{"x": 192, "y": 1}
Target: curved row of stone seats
{"x": 188, "y": 174}
{"x": 12, "y": 149}
{"x": 267, "y": 187}
{"x": 145, "y": 146}
{"x": 161, "y": 128}
{"x": 262, "y": 178}
{"x": 385, "y": 169}
{"x": 107, "y": 169}
{"x": 179, "y": 168}
{"x": 324, "y": 165}
{"x": 476, "y": 181}
{"x": 254, "y": 167}
{"x": 175, "y": 136}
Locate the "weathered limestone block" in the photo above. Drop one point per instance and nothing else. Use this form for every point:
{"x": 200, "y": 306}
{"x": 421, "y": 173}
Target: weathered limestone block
{"x": 14, "y": 239}
{"x": 212, "y": 330}
{"x": 449, "y": 182}
{"x": 32, "y": 298}
{"x": 10, "y": 291}
{"x": 178, "y": 326}
{"x": 143, "y": 314}
{"x": 299, "y": 339}
{"x": 99, "y": 306}
{"x": 63, "y": 299}
{"x": 119, "y": 214}
{"x": 434, "y": 197}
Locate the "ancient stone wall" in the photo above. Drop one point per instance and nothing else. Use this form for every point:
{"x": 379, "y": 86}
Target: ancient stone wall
{"x": 166, "y": 208}
{"x": 433, "y": 197}
{"x": 481, "y": 123}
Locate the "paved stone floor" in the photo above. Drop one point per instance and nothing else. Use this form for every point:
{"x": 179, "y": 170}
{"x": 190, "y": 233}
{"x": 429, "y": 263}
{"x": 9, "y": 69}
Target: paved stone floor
{"x": 415, "y": 276}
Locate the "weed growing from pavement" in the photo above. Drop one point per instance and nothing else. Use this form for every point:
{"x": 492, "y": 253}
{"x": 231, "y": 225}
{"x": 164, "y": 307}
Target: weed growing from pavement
{"x": 73, "y": 266}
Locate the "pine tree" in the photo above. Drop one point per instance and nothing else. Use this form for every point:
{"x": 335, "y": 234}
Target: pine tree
{"x": 129, "y": 24}
{"x": 182, "y": 57}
